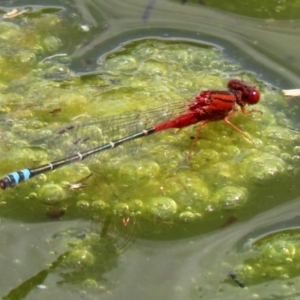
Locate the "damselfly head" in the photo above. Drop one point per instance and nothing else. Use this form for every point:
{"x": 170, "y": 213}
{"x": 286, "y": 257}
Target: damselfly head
{"x": 249, "y": 95}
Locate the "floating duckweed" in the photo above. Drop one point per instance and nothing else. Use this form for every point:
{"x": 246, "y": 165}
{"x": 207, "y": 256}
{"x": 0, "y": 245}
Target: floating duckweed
{"x": 83, "y": 205}
{"x": 230, "y": 197}
{"x": 122, "y": 63}
{"x": 100, "y": 205}
{"x": 262, "y": 167}
{"x": 162, "y": 207}
{"x": 51, "y": 194}
{"x": 279, "y": 252}
{"x": 80, "y": 258}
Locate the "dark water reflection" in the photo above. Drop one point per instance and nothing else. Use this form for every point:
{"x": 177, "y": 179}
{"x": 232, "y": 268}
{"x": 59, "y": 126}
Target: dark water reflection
{"x": 186, "y": 269}
{"x": 274, "y": 44}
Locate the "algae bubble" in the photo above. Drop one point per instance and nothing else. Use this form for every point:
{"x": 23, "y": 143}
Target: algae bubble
{"x": 261, "y": 167}
{"x": 161, "y": 207}
{"x": 51, "y": 194}
{"x": 230, "y": 197}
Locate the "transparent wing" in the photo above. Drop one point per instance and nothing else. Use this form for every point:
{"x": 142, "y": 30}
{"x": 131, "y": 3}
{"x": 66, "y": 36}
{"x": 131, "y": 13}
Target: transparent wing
{"x": 77, "y": 137}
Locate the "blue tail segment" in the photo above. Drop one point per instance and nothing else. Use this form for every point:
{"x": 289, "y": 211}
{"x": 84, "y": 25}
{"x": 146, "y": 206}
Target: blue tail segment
{"x": 16, "y": 177}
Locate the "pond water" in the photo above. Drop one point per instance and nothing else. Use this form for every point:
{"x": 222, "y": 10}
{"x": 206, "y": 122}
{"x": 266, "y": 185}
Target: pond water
{"x": 142, "y": 221}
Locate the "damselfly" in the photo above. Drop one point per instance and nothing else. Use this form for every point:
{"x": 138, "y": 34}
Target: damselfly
{"x": 206, "y": 107}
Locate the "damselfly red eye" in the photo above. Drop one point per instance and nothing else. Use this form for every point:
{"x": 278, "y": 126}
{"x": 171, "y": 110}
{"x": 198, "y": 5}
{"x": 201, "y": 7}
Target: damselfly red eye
{"x": 254, "y": 97}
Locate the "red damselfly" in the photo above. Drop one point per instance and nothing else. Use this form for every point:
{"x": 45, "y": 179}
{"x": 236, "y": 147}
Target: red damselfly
{"x": 208, "y": 106}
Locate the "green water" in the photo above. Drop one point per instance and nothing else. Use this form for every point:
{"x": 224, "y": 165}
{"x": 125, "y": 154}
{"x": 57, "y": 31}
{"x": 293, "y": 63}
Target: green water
{"x": 145, "y": 195}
